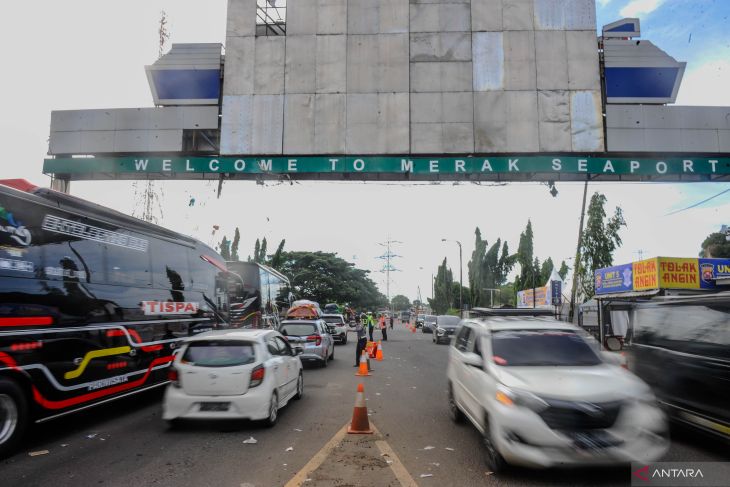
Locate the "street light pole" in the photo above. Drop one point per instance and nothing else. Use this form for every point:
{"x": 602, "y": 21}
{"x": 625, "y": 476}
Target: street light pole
{"x": 461, "y": 278}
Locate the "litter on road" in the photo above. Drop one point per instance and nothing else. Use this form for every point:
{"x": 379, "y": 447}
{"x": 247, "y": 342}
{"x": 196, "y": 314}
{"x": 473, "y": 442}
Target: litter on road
{"x": 297, "y": 430}
{"x": 429, "y": 447}
{"x": 291, "y": 448}
{"x": 92, "y": 436}
{"x": 36, "y": 453}
{"x": 450, "y": 449}
{"x": 424, "y": 475}
{"x": 250, "y": 441}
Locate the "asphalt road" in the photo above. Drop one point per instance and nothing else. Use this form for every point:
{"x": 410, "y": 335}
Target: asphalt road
{"x": 126, "y": 443}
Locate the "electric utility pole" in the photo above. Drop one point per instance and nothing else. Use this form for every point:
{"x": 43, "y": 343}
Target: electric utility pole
{"x": 388, "y": 267}
{"x": 149, "y": 200}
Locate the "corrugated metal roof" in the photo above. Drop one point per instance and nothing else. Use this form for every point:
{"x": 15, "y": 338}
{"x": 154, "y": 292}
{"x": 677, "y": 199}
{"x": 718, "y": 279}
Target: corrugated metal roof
{"x": 634, "y": 294}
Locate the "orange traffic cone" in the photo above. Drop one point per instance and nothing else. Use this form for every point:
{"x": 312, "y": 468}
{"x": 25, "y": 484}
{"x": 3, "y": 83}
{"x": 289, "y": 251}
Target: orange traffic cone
{"x": 360, "y": 424}
{"x": 362, "y": 370}
{"x": 379, "y": 353}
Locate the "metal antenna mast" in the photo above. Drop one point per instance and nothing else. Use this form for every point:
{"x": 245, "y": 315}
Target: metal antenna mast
{"x": 388, "y": 267}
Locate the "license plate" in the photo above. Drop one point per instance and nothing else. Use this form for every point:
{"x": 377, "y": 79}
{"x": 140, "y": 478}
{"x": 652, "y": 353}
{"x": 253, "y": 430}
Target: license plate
{"x": 214, "y": 406}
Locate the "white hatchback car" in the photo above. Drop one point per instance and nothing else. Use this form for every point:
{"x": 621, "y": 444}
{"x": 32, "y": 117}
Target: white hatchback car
{"x": 233, "y": 374}
{"x": 543, "y": 395}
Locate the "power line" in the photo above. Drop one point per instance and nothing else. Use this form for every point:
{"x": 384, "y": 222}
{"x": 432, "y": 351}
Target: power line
{"x": 698, "y": 204}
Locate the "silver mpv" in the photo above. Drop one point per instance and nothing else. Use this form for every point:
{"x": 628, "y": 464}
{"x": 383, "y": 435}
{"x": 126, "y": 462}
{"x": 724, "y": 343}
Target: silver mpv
{"x": 312, "y": 337}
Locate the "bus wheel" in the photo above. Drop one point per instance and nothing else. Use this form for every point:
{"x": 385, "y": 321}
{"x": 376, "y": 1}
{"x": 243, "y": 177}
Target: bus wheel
{"x": 13, "y": 416}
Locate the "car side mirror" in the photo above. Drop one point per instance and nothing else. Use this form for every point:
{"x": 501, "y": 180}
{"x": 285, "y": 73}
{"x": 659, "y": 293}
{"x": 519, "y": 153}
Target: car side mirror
{"x": 474, "y": 360}
{"x": 613, "y": 344}
{"x": 297, "y": 351}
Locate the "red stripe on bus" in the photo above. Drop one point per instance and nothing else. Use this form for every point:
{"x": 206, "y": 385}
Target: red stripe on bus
{"x": 48, "y": 404}
{"x": 9, "y": 361}
{"x": 27, "y": 321}
{"x": 135, "y": 335}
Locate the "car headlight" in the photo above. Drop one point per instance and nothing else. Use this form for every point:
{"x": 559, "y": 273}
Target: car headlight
{"x": 513, "y": 397}
{"x": 440, "y": 330}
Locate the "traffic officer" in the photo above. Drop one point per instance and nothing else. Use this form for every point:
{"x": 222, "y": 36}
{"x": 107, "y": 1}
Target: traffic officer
{"x": 371, "y": 325}
{"x": 362, "y": 340}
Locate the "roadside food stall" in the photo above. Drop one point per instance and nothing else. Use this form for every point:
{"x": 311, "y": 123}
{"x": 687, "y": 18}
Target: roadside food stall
{"x": 620, "y": 288}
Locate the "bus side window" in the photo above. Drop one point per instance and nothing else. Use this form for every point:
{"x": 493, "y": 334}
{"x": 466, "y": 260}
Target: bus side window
{"x": 202, "y": 273}
{"x": 170, "y": 269}
{"x": 71, "y": 259}
{"x": 128, "y": 266}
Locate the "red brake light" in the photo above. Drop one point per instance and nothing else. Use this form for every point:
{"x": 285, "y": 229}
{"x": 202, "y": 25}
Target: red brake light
{"x": 257, "y": 376}
{"x": 173, "y": 376}
{"x": 315, "y": 338}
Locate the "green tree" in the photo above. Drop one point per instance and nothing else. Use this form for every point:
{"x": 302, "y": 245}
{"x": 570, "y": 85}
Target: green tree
{"x": 224, "y": 248}
{"x": 326, "y": 278}
{"x": 564, "y": 269}
{"x": 488, "y": 269}
{"x": 256, "y": 250}
{"x": 507, "y": 296}
{"x": 525, "y": 259}
{"x": 715, "y": 246}
{"x": 546, "y": 270}
{"x": 262, "y": 252}
{"x": 443, "y": 289}
{"x": 600, "y": 239}
{"x": 474, "y": 267}
{"x": 400, "y": 302}
{"x": 455, "y": 296}
{"x": 277, "y": 258}
{"x": 234, "y": 245}
{"x": 259, "y": 251}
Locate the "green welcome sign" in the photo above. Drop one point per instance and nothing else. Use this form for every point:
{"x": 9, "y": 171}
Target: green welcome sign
{"x": 501, "y": 167}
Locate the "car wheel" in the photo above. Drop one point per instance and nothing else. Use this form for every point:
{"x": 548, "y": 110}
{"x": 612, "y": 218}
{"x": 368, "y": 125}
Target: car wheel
{"x": 324, "y": 361}
{"x": 454, "y": 412}
{"x": 332, "y": 355}
{"x": 300, "y": 387}
{"x": 273, "y": 411}
{"x": 13, "y": 416}
{"x": 494, "y": 460}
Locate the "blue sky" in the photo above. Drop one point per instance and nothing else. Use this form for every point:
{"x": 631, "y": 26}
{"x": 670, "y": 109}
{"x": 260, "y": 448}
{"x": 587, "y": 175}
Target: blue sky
{"x": 694, "y": 31}
{"x": 669, "y": 24}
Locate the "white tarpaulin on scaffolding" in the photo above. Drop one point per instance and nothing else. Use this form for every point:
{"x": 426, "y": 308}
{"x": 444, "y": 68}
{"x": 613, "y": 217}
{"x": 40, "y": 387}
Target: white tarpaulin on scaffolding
{"x": 542, "y": 295}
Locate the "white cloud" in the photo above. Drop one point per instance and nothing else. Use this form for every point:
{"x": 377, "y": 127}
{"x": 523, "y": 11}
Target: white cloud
{"x": 637, "y": 7}
{"x": 603, "y": 3}
{"x": 706, "y": 85}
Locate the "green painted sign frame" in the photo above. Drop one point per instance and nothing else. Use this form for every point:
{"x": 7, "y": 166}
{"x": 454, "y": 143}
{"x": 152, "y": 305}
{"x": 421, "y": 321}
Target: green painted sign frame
{"x": 501, "y": 167}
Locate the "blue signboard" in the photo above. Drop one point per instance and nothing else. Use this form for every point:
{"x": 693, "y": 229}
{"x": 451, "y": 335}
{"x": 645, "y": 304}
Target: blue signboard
{"x": 615, "y": 279}
{"x": 557, "y": 293}
{"x": 712, "y": 269}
